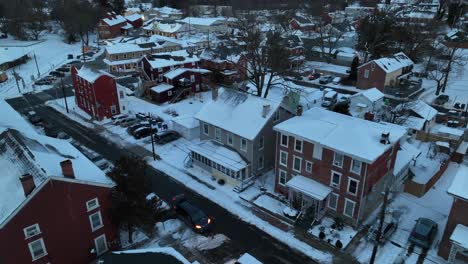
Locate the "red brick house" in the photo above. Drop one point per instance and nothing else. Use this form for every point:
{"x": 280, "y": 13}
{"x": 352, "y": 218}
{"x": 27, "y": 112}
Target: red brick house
{"x": 96, "y": 93}
{"x": 53, "y": 209}
{"x": 227, "y": 64}
{"x": 323, "y": 165}
{"x": 384, "y": 72}
{"x": 136, "y": 20}
{"x": 111, "y": 26}
{"x": 155, "y": 66}
{"x": 454, "y": 244}
{"x": 302, "y": 24}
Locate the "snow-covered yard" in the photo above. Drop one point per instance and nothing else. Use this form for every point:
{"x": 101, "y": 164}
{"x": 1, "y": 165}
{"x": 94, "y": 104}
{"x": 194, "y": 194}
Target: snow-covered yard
{"x": 435, "y": 205}
{"x": 332, "y": 234}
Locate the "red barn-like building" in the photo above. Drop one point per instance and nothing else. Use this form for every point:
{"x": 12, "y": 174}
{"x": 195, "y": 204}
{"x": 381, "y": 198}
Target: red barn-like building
{"x": 95, "y": 93}
{"x": 111, "y": 26}
{"x": 55, "y": 203}
{"x": 136, "y": 20}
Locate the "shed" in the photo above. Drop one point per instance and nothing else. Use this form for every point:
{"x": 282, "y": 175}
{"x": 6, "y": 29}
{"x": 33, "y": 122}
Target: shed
{"x": 188, "y": 127}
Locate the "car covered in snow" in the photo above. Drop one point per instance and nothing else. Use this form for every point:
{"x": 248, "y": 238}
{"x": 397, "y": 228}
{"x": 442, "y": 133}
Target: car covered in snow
{"x": 191, "y": 214}
{"x": 166, "y": 137}
{"x": 423, "y": 232}
{"x": 325, "y": 79}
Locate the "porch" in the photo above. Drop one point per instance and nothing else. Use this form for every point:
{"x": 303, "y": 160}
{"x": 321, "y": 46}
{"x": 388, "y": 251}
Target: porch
{"x": 309, "y": 197}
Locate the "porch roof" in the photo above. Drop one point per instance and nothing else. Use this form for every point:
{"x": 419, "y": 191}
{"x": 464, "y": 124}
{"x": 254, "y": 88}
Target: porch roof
{"x": 309, "y": 187}
{"x": 460, "y": 236}
{"x": 216, "y": 152}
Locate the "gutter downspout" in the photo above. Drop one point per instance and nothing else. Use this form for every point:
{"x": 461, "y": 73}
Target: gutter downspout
{"x": 362, "y": 195}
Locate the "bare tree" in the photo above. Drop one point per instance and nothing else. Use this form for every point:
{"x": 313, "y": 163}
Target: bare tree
{"x": 327, "y": 40}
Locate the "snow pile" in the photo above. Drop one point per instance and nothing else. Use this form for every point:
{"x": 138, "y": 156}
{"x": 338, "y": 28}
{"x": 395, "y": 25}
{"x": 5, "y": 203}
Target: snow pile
{"x": 271, "y": 204}
{"x": 205, "y": 243}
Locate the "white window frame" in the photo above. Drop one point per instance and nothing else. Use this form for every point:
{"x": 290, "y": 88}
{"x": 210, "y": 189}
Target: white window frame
{"x": 261, "y": 143}
{"x": 287, "y": 140}
{"x": 280, "y": 160}
{"x": 37, "y": 229}
{"x": 217, "y": 134}
{"x": 337, "y": 198}
{"x": 276, "y": 116}
{"x": 230, "y": 139}
{"x": 294, "y": 163}
{"x": 308, "y": 164}
{"x": 331, "y": 179}
{"x": 334, "y": 159}
{"x": 261, "y": 164}
{"x": 280, "y": 173}
{"x": 192, "y": 78}
{"x": 295, "y": 145}
{"x": 352, "y": 166}
{"x": 41, "y": 241}
{"x": 241, "y": 144}
{"x": 105, "y": 243}
{"x": 366, "y": 73}
{"x": 357, "y": 186}
{"x": 94, "y": 228}
{"x": 346, "y": 206}
{"x": 207, "y": 131}
{"x": 89, "y": 208}
{"x": 169, "y": 93}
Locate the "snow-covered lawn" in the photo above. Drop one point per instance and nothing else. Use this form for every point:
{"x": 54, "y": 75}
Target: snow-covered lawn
{"x": 332, "y": 234}
{"x": 271, "y": 204}
{"x": 51, "y": 52}
{"x": 428, "y": 163}
{"x": 435, "y": 205}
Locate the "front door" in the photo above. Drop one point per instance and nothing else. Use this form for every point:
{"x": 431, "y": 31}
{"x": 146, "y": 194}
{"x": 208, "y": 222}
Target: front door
{"x": 297, "y": 200}
{"x": 100, "y": 244}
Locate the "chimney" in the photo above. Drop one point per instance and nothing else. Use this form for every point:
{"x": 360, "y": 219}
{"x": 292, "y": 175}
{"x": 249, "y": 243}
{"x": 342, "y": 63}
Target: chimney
{"x": 369, "y": 116}
{"x": 67, "y": 169}
{"x": 28, "y": 183}
{"x": 266, "y": 110}
{"x": 385, "y": 138}
{"x": 299, "y": 110}
{"x": 214, "y": 93}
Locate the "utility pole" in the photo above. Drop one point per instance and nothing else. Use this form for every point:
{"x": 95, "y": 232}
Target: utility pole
{"x": 37, "y": 67}
{"x": 64, "y": 96}
{"x": 379, "y": 231}
{"x": 16, "y": 79}
{"x": 151, "y": 135}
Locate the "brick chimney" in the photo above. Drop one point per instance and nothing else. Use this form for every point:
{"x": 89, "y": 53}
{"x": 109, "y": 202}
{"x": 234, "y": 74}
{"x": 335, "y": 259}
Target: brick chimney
{"x": 265, "y": 110}
{"x": 214, "y": 93}
{"x": 28, "y": 183}
{"x": 299, "y": 110}
{"x": 67, "y": 169}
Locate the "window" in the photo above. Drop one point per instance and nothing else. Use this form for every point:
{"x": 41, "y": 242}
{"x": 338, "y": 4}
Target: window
{"x": 366, "y": 74}
{"x": 284, "y": 140}
{"x": 260, "y": 143}
{"x": 205, "y": 129}
{"x": 333, "y": 201}
{"x": 192, "y": 78}
{"x": 169, "y": 93}
{"x": 276, "y": 116}
{"x": 297, "y": 164}
{"x": 356, "y": 166}
{"x": 283, "y": 158}
{"x": 282, "y": 177}
{"x": 335, "y": 179}
{"x": 260, "y": 162}
{"x": 121, "y": 94}
{"x": 101, "y": 244}
{"x": 113, "y": 109}
{"x": 217, "y": 134}
{"x": 230, "y": 140}
{"x": 92, "y": 204}
{"x": 31, "y": 231}
{"x": 308, "y": 166}
{"x": 353, "y": 186}
{"x": 96, "y": 221}
{"x": 37, "y": 249}
{"x": 243, "y": 146}
{"x": 349, "y": 208}
{"x": 298, "y": 145}
{"x": 338, "y": 160}
{"x": 160, "y": 77}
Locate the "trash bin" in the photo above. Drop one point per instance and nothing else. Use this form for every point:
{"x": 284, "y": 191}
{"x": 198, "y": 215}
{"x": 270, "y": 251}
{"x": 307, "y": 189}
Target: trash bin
{"x": 70, "y": 56}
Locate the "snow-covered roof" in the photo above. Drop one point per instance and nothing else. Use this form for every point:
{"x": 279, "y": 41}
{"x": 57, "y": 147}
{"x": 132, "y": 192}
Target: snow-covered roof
{"x": 422, "y": 109}
{"x": 89, "y": 74}
{"x": 173, "y": 58}
{"x": 169, "y": 28}
{"x": 127, "y": 26}
{"x": 393, "y": 63}
{"x": 414, "y": 122}
{"x": 124, "y": 48}
{"x": 162, "y": 87}
{"x": 168, "y": 10}
{"x": 237, "y": 112}
{"x": 202, "y": 21}
{"x": 114, "y": 20}
{"x": 459, "y": 186}
{"x": 450, "y": 131}
{"x": 133, "y": 17}
{"x": 352, "y": 136}
{"x": 460, "y": 236}
{"x": 12, "y": 119}
{"x": 218, "y": 153}
{"x": 187, "y": 121}
{"x": 174, "y": 73}
{"x": 373, "y": 94}
{"x": 248, "y": 259}
{"x": 163, "y": 250}
{"x": 404, "y": 156}
{"x": 310, "y": 187}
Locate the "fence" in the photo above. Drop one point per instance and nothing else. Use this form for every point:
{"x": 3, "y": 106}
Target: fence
{"x": 418, "y": 189}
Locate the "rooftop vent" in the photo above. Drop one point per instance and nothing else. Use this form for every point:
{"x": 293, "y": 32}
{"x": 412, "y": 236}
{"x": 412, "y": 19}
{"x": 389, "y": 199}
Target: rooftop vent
{"x": 385, "y": 138}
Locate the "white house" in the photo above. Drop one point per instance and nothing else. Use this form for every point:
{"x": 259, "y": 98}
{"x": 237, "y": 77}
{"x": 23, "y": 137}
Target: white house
{"x": 370, "y": 100}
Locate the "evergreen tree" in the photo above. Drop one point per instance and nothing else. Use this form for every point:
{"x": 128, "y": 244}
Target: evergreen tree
{"x": 342, "y": 108}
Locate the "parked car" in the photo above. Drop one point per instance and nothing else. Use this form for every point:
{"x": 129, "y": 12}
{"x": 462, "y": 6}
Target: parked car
{"x": 118, "y": 118}
{"x": 43, "y": 82}
{"x": 63, "y": 135}
{"x": 423, "y": 232}
{"x": 314, "y": 76}
{"x": 325, "y": 79}
{"x": 63, "y": 69}
{"x": 389, "y": 227}
{"x": 441, "y": 99}
{"x": 57, "y": 74}
{"x": 34, "y": 118}
{"x": 336, "y": 80}
{"x": 166, "y": 137}
{"x": 128, "y": 122}
{"x": 134, "y": 127}
{"x": 329, "y": 99}
{"x": 142, "y": 132}
{"x": 50, "y": 130}
{"x": 191, "y": 214}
